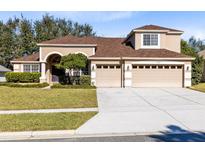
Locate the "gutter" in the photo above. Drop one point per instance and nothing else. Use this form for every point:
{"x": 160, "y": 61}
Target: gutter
{"x": 138, "y": 58}
{"x": 26, "y": 62}
{"x": 67, "y": 45}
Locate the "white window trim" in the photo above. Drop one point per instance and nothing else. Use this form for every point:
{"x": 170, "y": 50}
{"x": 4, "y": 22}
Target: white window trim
{"x": 31, "y": 67}
{"x": 151, "y": 46}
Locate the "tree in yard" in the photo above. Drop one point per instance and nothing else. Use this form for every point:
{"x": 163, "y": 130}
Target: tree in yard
{"x": 197, "y": 64}
{"x": 72, "y": 62}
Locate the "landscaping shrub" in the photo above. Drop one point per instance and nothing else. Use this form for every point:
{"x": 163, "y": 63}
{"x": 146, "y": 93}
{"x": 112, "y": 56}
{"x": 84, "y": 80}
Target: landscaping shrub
{"x": 23, "y": 77}
{"x": 85, "y": 80}
{"x": 58, "y": 85}
{"x": 27, "y": 85}
{"x": 197, "y": 63}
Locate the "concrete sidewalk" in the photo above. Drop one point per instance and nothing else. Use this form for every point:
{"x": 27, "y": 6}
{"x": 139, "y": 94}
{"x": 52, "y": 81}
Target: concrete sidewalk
{"x": 49, "y": 110}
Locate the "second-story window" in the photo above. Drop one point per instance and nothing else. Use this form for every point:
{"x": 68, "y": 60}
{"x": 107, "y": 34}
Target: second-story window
{"x": 150, "y": 40}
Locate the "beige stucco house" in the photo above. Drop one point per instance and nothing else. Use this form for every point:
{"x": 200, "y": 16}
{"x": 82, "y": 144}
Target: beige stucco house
{"x": 148, "y": 57}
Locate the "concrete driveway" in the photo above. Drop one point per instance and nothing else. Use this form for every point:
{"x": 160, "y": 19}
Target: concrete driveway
{"x": 147, "y": 111}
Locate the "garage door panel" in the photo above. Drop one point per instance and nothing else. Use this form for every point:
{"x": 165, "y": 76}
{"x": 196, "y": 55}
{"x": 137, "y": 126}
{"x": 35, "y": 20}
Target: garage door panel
{"x": 109, "y": 77}
{"x": 157, "y": 77}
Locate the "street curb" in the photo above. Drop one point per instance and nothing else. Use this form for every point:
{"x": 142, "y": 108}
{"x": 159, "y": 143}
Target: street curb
{"x": 27, "y": 135}
{"x": 62, "y": 134}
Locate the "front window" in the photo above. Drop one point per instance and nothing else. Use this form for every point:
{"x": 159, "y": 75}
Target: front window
{"x": 31, "y": 68}
{"x": 150, "y": 40}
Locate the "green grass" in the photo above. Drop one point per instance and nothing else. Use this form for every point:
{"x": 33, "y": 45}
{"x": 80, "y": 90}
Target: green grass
{"x": 43, "y": 121}
{"x": 34, "y": 98}
{"x": 199, "y": 87}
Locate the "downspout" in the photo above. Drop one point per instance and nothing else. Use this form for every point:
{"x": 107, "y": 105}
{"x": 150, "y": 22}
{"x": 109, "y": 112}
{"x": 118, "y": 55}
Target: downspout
{"x": 122, "y": 62}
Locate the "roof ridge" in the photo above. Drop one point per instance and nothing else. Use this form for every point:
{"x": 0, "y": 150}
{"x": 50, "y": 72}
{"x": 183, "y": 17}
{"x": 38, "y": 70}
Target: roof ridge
{"x": 150, "y": 26}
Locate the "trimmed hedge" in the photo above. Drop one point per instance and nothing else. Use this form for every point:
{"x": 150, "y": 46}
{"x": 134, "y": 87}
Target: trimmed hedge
{"x": 58, "y": 85}
{"x": 23, "y": 77}
{"x": 85, "y": 80}
{"x": 28, "y": 85}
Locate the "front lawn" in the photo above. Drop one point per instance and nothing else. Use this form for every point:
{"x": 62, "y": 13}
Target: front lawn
{"x": 199, "y": 87}
{"x": 34, "y": 98}
{"x": 43, "y": 121}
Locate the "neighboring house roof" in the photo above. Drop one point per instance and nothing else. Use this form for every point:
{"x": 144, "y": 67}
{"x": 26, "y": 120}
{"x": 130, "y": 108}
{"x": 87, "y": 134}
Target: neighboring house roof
{"x": 32, "y": 57}
{"x": 155, "y": 27}
{"x": 4, "y": 69}
{"x": 202, "y": 53}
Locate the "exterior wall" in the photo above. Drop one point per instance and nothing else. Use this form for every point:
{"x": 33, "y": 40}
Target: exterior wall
{"x": 173, "y": 43}
{"x": 137, "y": 41}
{"x": 18, "y": 67}
{"x": 167, "y": 41}
{"x": 187, "y": 74}
{"x": 128, "y": 74}
{"x": 45, "y": 51}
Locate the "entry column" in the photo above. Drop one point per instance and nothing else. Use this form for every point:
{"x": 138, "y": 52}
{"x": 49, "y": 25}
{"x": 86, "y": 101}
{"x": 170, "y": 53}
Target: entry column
{"x": 43, "y": 72}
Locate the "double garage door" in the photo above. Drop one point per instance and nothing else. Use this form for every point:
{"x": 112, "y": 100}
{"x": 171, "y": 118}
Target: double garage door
{"x": 142, "y": 76}
{"x": 108, "y": 76}
{"x": 157, "y": 76}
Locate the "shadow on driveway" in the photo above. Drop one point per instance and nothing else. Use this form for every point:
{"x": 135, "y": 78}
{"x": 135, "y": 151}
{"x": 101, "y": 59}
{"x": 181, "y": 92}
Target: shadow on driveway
{"x": 177, "y": 134}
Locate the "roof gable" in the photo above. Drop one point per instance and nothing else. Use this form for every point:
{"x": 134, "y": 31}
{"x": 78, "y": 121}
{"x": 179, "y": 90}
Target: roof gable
{"x": 155, "y": 27}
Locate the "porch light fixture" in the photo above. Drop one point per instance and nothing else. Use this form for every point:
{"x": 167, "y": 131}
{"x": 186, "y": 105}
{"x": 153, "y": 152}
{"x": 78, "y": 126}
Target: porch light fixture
{"x": 93, "y": 68}
{"x": 128, "y": 68}
{"x": 187, "y": 68}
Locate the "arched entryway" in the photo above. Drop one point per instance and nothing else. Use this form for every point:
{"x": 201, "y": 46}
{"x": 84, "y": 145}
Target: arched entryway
{"x": 54, "y": 74}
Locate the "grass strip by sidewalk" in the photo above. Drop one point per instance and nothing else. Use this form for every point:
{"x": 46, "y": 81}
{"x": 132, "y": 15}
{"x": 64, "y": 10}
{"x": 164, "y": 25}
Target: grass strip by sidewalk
{"x": 43, "y": 121}
{"x": 35, "y": 98}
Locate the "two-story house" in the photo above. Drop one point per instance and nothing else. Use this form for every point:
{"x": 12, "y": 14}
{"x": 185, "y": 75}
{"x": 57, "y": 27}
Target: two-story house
{"x": 148, "y": 57}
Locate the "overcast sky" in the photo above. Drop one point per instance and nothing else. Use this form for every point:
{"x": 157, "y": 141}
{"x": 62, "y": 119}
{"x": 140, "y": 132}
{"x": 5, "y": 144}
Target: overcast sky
{"x": 119, "y": 24}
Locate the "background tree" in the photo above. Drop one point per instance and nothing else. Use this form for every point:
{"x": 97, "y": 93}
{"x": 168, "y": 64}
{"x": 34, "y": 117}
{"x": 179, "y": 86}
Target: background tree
{"x": 26, "y": 37}
{"x": 198, "y": 45}
{"x": 197, "y": 64}
{"x": 19, "y": 36}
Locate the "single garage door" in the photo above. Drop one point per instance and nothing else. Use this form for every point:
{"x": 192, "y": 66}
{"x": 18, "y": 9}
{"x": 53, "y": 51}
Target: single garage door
{"x": 108, "y": 76}
{"x": 157, "y": 76}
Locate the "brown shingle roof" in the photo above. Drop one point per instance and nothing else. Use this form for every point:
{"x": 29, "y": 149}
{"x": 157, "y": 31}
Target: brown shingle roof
{"x": 32, "y": 57}
{"x": 155, "y": 27}
{"x": 113, "y": 47}
{"x": 142, "y": 53}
